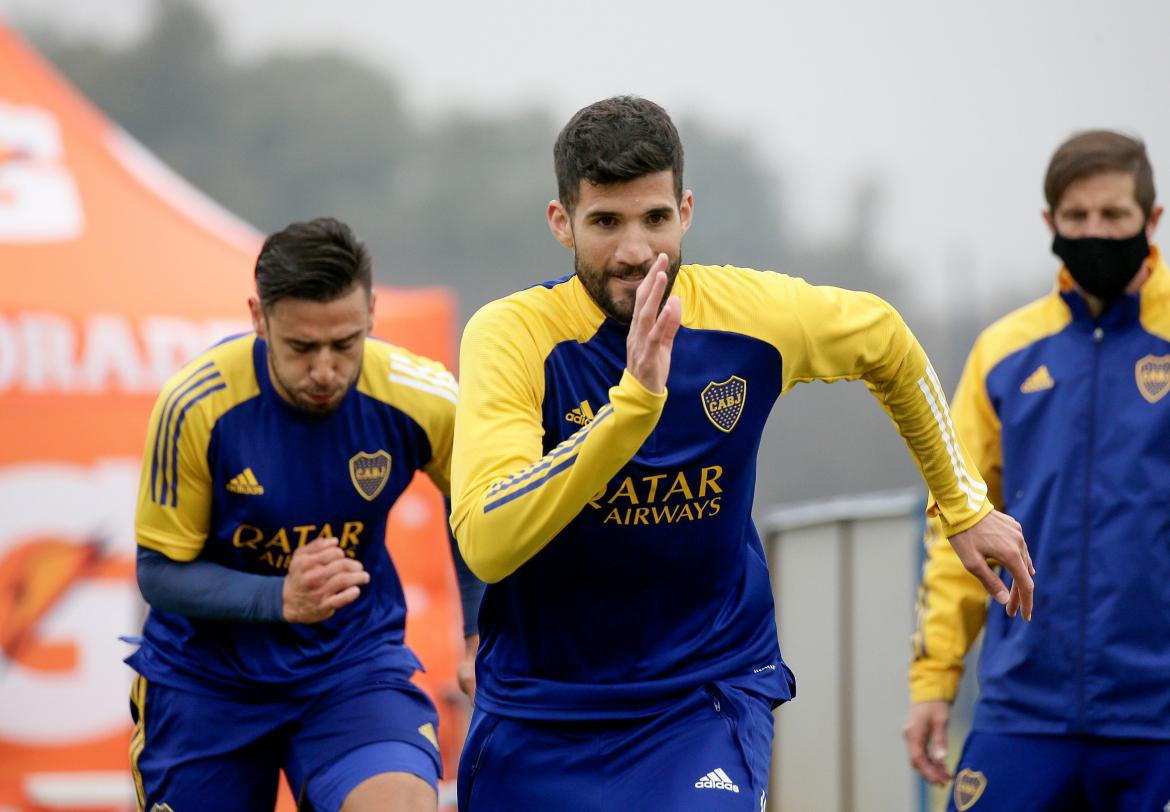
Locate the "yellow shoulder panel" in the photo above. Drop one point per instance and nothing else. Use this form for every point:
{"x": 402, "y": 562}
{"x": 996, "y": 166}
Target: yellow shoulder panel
{"x": 1015, "y": 331}
{"x": 174, "y": 492}
{"x": 822, "y": 332}
{"x": 421, "y": 388}
{"x": 548, "y": 315}
{"x": 737, "y": 300}
{"x": 532, "y": 322}
{"x": 1155, "y": 314}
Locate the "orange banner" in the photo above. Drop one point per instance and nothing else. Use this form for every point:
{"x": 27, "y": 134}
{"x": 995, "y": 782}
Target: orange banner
{"x": 113, "y": 272}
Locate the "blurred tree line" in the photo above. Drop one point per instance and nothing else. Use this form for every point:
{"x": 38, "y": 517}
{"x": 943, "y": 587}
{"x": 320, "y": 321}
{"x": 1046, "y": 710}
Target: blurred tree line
{"x": 459, "y": 201}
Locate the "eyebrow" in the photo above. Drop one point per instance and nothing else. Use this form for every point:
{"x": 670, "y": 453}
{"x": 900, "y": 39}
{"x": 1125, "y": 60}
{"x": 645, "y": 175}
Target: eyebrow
{"x": 667, "y": 211}
{"x": 303, "y": 342}
{"x": 597, "y": 215}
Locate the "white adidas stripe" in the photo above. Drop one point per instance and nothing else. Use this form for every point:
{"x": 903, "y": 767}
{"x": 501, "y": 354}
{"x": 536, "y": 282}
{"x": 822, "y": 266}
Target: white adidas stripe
{"x": 447, "y": 386}
{"x": 975, "y": 491}
{"x": 436, "y": 375}
{"x": 422, "y": 386}
{"x": 931, "y": 390}
{"x": 976, "y": 486}
{"x": 722, "y": 775}
{"x": 429, "y": 374}
{"x": 967, "y": 484}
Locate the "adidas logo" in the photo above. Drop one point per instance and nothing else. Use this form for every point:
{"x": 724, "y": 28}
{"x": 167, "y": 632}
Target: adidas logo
{"x": 717, "y": 779}
{"x": 582, "y": 415}
{"x": 1038, "y": 381}
{"x": 245, "y": 483}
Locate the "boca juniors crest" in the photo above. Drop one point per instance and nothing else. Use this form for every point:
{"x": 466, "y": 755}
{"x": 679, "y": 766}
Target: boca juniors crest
{"x": 723, "y": 402}
{"x": 969, "y": 786}
{"x": 369, "y": 472}
{"x": 1153, "y": 376}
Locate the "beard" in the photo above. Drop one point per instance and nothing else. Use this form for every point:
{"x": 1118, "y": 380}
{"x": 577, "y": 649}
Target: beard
{"x": 620, "y": 309}
{"x": 301, "y": 399}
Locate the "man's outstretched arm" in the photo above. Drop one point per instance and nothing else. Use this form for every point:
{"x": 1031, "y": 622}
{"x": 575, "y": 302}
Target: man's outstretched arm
{"x": 847, "y": 335}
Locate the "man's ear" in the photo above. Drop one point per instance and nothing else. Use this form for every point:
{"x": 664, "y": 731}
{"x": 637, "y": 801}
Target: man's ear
{"x": 1047, "y": 215}
{"x": 1152, "y": 221}
{"x": 560, "y": 223}
{"x": 686, "y": 210}
{"x": 257, "y": 312}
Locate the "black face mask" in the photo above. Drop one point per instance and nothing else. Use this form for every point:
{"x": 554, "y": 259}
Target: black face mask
{"x": 1102, "y": 267}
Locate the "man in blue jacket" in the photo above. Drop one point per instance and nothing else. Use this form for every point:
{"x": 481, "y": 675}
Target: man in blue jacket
{"x": 1063, "y": 405}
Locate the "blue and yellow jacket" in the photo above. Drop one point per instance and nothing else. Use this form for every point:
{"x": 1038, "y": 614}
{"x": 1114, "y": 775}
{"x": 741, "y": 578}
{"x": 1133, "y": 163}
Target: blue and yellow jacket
{"x": 1068, "y": 419}
{"x": 614, "y": 524}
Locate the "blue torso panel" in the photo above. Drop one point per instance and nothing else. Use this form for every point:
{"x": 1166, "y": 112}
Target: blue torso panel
{"x": 281, "y": 478}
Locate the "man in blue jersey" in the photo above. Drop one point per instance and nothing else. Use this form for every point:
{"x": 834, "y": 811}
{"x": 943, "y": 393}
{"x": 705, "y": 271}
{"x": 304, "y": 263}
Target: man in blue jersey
{"x": 602, "y": 483}
{"x": 1063, "y": 405}
{"x": 275, "y": 635}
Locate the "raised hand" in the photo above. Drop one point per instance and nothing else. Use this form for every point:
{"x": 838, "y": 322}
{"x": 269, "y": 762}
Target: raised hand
{"x": 320, "y": 581}
{"x": 652, "y": 331}
{"x": 999, "y": 537}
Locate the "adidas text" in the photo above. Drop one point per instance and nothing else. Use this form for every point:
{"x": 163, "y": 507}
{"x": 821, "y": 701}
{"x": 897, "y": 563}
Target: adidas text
{"x": 717, "y": 779}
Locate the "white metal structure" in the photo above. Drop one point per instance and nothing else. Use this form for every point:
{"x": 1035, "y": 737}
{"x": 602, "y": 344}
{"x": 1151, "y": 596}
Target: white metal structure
{"x": 845, "y": 574}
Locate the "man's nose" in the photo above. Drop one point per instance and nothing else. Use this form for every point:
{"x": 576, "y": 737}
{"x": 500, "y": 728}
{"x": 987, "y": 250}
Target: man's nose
{"x": 322, "y": 369}
{"x": 634, "y": 249}
{"x": 1097, "y": 226}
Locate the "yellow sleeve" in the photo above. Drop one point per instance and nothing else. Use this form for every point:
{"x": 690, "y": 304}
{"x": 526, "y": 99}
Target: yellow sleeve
{"x": 509, "y": 498}
{"x": 834, "y": 334}
{"x": 174, "y": 491}
{"x": 952, "y": 604}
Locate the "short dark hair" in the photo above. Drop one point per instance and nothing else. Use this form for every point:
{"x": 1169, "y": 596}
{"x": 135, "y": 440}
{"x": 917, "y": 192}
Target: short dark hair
{"x": 1094, "y": 152}
{"x": 319, "y": 260}
{"x": 613, "y": 140}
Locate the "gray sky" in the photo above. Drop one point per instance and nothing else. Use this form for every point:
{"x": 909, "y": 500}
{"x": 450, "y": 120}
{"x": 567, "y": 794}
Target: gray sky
{"x": 954, "y": 107}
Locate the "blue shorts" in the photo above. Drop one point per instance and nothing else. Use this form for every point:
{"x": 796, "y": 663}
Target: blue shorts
{"x": 199, "y": 752}
{"x": 1010, "y": 772}
{"x": 711, "y": 752}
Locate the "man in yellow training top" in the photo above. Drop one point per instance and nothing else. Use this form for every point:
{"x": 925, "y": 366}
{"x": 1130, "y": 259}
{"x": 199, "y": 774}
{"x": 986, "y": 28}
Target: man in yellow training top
{"x": 602, "y": 481}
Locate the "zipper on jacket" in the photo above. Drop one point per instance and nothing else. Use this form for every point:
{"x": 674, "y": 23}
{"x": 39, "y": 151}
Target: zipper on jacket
{"x": 1098, "y": 337}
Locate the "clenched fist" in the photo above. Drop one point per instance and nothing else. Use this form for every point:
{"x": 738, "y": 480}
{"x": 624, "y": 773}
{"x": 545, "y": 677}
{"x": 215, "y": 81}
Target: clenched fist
{"x": 320, "y": 581}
